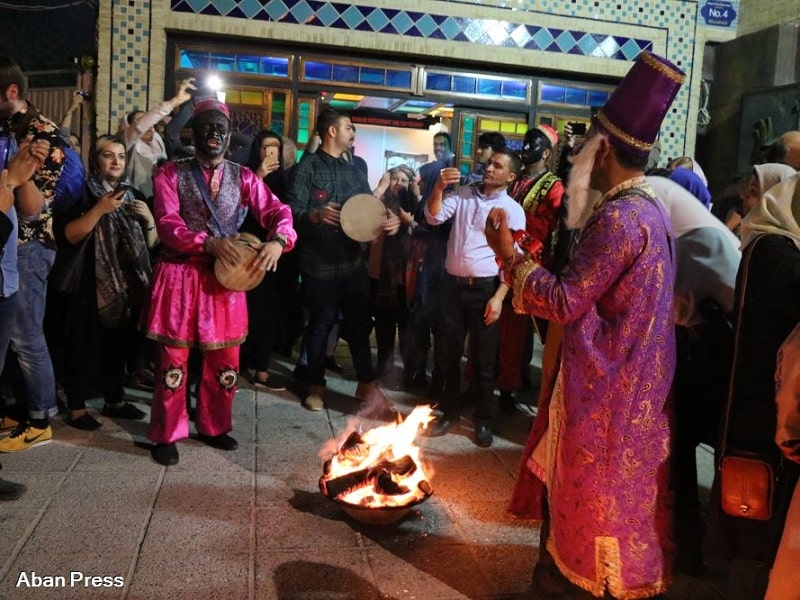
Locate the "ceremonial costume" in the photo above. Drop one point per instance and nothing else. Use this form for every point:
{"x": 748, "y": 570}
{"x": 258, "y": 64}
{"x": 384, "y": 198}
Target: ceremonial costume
{"x": 603, "y": 445}
{"x": 189, "y": 307}
{"x": 541, "y": 196}
{"x": 609, "y": 426}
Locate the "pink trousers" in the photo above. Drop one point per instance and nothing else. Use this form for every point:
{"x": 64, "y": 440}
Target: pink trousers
{"x": 169, "y": 421}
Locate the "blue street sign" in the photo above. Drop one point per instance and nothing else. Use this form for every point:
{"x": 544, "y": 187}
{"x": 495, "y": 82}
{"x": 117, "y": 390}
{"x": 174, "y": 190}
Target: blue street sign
{"x": 718, "y": 13}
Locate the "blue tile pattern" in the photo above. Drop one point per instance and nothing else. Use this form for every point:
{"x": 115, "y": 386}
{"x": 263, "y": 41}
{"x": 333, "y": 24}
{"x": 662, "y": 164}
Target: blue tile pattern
{"x": 669, "y": 26}
{"x": 130, "y": 39}
{"x": 488, "y": 32}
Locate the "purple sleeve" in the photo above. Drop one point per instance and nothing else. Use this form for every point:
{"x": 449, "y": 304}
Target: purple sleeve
{"x": 608, "y": 245}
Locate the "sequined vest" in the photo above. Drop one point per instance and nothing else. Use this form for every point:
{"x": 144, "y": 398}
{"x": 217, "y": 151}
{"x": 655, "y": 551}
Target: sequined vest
{"x": 228, "y": 207}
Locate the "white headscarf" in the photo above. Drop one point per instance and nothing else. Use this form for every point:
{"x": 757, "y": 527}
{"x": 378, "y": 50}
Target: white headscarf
{"x": 771, "y": 174}
{"x": 778, "y": 213}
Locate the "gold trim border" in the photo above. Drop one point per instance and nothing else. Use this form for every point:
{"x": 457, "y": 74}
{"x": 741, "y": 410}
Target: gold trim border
{"x": 618, "y": 133}
{"x": 677, "y": 76}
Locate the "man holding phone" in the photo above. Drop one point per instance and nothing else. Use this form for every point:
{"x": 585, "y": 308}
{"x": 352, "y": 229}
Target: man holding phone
{"x": 35, "y": 256}
{"x": 27, "y": 160}
{"x": 471, "y": 292}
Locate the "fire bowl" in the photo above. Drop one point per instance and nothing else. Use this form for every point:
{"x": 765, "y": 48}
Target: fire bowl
{"x": 381, "y": 515}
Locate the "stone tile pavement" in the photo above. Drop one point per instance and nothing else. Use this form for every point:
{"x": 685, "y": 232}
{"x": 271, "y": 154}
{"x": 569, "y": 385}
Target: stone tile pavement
{"x": 252, "y": 524}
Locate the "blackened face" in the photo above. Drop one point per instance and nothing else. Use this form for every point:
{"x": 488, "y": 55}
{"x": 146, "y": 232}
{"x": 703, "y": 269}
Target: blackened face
{"x": 211, "y": 133}
{"x": 533, "y": 148}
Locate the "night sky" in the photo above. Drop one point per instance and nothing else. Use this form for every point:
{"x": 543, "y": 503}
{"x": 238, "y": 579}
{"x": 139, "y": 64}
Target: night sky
{"x": 47, "y": 35}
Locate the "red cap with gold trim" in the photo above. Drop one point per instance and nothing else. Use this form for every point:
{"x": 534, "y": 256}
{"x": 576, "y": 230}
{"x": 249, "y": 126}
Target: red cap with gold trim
{"x": 211, "y": 104}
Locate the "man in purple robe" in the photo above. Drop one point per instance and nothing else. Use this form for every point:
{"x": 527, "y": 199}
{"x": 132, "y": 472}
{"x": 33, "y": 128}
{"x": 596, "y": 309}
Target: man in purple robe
{"x": 604, "y": 452}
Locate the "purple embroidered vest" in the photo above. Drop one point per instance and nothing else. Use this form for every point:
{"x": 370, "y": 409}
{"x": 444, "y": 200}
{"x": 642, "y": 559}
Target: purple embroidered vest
{"x": 229, "y": 210}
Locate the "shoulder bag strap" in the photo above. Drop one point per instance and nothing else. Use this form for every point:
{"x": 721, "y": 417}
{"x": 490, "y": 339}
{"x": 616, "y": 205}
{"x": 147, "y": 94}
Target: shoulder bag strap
{"x": 748, "y": 253}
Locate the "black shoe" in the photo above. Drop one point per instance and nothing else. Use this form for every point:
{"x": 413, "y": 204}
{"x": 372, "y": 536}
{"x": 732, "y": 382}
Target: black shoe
{"x": 548, "y": 582}
{"x": 165, "y": 454}
{"x": 123, "y": 410}
{"x": 273, "y": 383}
{"x": 11, "y": 490}
{"x": 440, "y": 426}
{"x": 223, "y": 442}
{"x": 85, "y": 422}
{"x": 141, "y": 379}
{"x": 483, "y": 435}
{"x": 507, "y": 405}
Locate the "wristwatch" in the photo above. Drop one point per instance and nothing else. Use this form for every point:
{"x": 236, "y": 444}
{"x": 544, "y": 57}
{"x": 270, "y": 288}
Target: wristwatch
{"x": 280, "y": 238}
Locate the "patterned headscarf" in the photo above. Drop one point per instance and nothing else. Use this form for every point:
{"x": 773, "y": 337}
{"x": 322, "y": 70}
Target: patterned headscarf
{"x": 122, "y": 261}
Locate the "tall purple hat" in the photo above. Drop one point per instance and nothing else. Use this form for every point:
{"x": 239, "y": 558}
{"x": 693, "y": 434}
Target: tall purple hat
{"x": 633, "y": 114}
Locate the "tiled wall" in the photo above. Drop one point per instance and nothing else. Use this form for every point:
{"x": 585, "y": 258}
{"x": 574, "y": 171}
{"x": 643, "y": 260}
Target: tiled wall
{"x": 571, "y": 36}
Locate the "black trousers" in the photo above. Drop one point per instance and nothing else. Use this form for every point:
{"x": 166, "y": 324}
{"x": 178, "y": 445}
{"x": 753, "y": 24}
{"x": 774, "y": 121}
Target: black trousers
{"x": 462, "y": 306}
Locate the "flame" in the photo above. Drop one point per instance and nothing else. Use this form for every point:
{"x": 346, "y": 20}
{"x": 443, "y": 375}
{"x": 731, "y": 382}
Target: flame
{"x": 387, "y": 443}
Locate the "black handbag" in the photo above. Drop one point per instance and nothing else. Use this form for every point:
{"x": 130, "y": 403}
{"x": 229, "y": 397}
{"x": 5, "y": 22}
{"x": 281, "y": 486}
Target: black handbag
{"x": 69, "y": 265}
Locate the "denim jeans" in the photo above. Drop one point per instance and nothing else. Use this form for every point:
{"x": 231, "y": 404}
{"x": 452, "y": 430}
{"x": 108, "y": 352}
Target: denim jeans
{"x": 27, "y": 333}
{"x": 324, "y": 299}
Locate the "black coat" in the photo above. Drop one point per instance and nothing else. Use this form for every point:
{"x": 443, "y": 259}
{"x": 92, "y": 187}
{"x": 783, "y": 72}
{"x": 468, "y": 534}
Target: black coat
{"x": 771, "y": 310}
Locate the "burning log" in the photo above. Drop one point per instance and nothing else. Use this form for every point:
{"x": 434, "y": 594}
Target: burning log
{"x": 379, "y": 477}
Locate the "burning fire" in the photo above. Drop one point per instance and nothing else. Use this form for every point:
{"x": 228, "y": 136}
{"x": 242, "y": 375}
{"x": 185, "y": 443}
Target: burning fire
{"x": 380, "y": 467}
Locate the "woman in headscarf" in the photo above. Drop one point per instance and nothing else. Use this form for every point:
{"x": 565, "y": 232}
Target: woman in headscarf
{"x": 688, "y": 162}
{"x": 689, "y": 180}
{"x": 770, "y": 311}
{"x": 762, "y": 178}
{"x": 101, "y": 317}
{"x": 388, "y": 255}
{"x": 270, "y": 303}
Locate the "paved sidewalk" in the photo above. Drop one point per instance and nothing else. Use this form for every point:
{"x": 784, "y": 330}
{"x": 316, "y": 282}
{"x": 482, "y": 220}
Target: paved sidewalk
{"x": 252, "y": 524}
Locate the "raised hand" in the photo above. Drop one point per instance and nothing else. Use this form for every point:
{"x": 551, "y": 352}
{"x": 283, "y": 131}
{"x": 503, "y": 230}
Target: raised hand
{"x": 498, "y": 235}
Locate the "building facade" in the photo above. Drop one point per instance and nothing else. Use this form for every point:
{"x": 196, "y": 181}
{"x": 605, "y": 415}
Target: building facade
{"x": 582, "y": 46}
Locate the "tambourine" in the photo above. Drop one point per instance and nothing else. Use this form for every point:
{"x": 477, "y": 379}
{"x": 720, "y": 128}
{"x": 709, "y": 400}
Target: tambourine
{"x": 242, "y": 275}
{"x": 362, "y": 217}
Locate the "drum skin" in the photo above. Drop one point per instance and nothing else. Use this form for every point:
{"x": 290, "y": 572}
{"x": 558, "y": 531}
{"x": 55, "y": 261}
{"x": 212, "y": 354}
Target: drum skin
{"x": 243, "y": 275}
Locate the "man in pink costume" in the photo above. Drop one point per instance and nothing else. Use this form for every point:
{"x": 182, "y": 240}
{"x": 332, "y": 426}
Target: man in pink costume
{"x": 604, "y": 450}
{"x": 199, "y": 205}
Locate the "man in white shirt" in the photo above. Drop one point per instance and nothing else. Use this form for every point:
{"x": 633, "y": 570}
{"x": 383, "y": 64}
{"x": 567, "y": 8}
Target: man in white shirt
{"x": 472, "y": 294}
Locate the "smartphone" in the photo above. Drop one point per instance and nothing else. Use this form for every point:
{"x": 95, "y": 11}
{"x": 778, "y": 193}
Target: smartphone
{"x": 272, "y": 153}
{"x": 121, "y": 188}
{"x": 578, "y": 128}
{"x": 5, "y": 144}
